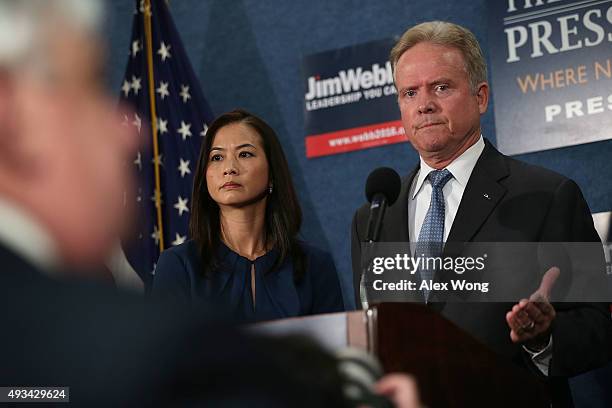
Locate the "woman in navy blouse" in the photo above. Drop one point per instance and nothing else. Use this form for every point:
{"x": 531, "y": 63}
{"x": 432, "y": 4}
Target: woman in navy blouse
{"x": 244, "y": 256}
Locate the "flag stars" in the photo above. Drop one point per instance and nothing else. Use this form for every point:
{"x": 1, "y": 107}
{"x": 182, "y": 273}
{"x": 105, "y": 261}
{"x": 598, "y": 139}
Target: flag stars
{"x": 138, "y": 161}
{"x": 136, "y": 47}
{"x": 185, "y": 93}
{"x": 157, "y": 199}
{"x": 126, "y": 88}
{"x": 164, "y": 51}
{"x": 135, "y": 81}
{"x": 184, "y": 167}
{"x": 185, "y": 130}
{"x": 155, "y": 235}
{"x": 162, "y": 90}
{"x": 162, "y": 126}
{"x": 179, "y": 239}
{"x": 158, "y": 160}
{"x": 181, "y": 205}
{"x": 137, "y": 122}
{"x": 136, "y": 86}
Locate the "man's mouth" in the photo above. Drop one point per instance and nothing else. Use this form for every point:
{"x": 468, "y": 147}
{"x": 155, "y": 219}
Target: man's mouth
{"x": 428, "y": 124}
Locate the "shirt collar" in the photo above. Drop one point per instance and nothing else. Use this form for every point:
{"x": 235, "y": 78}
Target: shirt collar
{"x": 26, "y": 237}
{"x": 461, "y": 168}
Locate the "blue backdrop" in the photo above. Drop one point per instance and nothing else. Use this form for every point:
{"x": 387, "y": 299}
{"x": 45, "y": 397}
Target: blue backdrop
{"x": 248, "y": 53}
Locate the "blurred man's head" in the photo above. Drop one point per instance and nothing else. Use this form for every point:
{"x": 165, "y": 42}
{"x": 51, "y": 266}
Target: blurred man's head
{"x": 62, "y": 145}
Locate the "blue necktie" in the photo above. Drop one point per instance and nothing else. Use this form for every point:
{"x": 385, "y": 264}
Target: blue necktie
{"x": 431, "y": 238}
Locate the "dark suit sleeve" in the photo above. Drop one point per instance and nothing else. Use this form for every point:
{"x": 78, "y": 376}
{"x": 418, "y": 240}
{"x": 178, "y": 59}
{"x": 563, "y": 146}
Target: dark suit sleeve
{"x": 582, "y": 333}
{"x": 327, "y": 294}
{"x": 569, "y": 218}
{"x": 171, "y": 281}
{"x": 356, "y": 258}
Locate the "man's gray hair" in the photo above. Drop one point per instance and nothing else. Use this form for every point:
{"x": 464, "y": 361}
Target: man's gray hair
{"x": 450, "y": 35}
{"x": 24, "y": 23}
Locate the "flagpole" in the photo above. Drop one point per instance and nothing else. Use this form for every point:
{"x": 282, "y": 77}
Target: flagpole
{"x": 156, "y": 162}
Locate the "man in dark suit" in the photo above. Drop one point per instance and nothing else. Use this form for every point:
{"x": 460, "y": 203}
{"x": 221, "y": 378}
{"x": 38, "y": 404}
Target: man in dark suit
{"x": 465, "y": 190}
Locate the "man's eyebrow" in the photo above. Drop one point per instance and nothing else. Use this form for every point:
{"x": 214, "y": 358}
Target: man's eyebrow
{"x": 440, "y": 81}
{"x": 429, "y": 83}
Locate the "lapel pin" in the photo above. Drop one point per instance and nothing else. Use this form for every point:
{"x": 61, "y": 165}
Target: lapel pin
{"x": 485, "y": 195}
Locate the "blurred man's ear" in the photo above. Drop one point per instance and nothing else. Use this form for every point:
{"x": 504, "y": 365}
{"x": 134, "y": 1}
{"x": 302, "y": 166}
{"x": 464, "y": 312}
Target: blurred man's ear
{"x": 6, "y": 116}
{"x": 9, "y": 141}
{"x": 4, "y": 85}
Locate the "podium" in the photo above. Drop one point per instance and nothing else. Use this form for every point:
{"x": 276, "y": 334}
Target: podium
{"x": 452, "y": 368}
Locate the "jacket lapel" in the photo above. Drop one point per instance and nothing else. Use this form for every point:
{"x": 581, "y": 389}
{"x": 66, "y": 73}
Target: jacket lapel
{"x": 482, "y": 194}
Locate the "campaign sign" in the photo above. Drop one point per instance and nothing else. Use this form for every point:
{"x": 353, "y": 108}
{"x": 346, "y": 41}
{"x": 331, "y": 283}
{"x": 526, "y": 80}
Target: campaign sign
{"x": 350, "y": 102}
{"x": 551, "y": 72}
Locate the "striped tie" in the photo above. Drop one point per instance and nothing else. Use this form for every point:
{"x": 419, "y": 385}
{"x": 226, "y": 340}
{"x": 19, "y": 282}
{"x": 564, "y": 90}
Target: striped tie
{"x": 431, "y": 238}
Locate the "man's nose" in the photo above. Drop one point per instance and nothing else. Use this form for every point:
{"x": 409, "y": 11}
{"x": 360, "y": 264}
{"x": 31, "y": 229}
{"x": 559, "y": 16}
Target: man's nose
{"x": 426, "y": 106}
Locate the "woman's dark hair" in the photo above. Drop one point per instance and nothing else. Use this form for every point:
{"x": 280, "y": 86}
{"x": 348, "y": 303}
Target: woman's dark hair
{"x": 283, "y": 216}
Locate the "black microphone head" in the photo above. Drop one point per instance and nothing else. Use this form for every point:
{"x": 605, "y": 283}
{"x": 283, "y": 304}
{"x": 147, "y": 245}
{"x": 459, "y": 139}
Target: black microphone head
{"x": 385, "y": 181}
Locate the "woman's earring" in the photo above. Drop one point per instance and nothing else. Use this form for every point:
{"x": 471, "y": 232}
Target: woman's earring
{"x": 270, "y": 189}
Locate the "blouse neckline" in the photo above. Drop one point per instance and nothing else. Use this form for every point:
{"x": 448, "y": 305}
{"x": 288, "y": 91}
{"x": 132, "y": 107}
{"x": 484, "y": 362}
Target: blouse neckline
{"x": 266, "y": 260}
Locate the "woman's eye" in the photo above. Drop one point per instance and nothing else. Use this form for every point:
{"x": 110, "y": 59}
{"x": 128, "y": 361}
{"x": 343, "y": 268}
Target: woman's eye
{"x": 245, "y": 154}
{"x": 215, "y": 157}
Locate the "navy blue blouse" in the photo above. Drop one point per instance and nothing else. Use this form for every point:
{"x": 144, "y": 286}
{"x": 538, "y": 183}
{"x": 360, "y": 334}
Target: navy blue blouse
{"x": 178, "y": 276}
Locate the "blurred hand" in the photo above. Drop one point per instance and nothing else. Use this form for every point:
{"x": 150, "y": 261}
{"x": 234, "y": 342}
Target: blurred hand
{"x": 530, "y": 319}
{"x": 401, "y": 389}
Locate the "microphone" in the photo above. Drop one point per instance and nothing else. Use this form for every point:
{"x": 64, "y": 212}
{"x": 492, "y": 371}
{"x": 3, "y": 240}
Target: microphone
{"x": 382, "y": 189}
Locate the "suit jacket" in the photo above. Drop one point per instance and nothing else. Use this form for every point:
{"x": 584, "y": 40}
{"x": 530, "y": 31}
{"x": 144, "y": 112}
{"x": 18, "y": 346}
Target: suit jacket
{"x": 523, "y": 203}
{"x": 115, "y": 349}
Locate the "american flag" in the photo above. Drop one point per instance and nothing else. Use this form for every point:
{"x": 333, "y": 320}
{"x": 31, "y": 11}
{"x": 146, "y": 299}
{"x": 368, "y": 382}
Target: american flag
{"x": 181, "y": 114}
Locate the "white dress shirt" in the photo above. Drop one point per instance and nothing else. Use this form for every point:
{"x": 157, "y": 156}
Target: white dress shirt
{"x": 420, "y": 191}
{"x": 418, "y": 203}
{"x": 24, "y": 236}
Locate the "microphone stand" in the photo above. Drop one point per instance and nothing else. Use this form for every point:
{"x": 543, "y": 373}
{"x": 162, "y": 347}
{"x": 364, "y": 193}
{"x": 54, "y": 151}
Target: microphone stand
{"x": 377, "y": 213}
